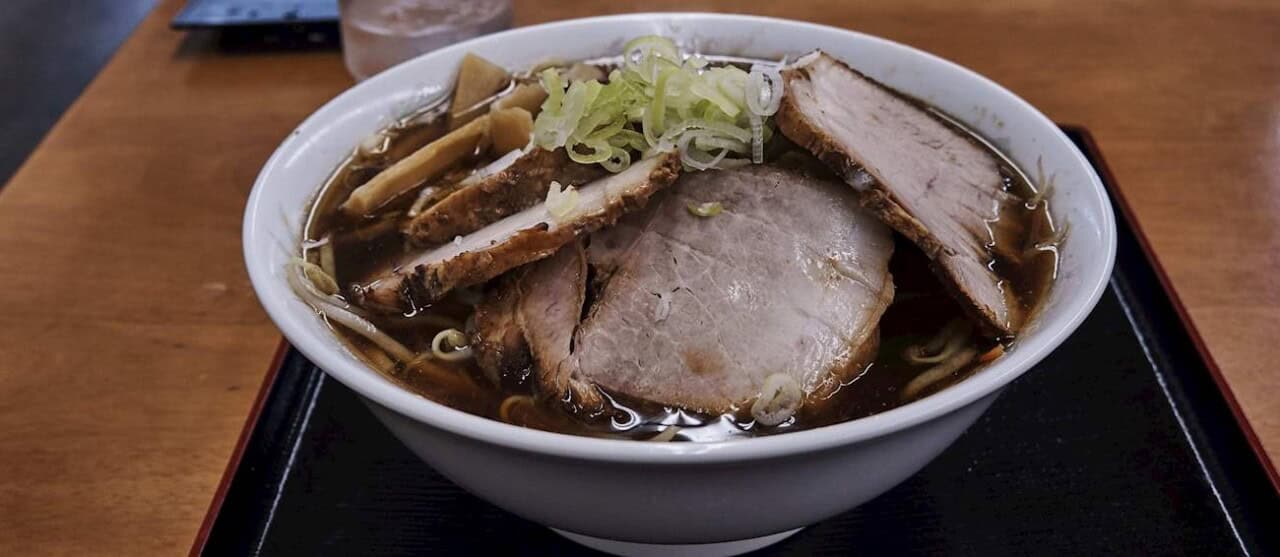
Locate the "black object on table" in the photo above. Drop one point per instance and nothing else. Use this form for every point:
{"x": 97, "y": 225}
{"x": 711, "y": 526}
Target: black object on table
{"x": 231, "y": 13}
{"x": 255, "y": 26}
{"x": 1118, "y": 443}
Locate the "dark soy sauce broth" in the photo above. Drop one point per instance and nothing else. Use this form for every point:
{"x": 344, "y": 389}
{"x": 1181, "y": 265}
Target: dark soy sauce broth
{"x": 364, "y": 247}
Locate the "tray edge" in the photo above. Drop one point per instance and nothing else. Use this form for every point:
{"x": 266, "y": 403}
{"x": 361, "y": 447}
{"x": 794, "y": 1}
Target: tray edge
{"x": 237, "y": 454}
{"x": 1126, "y": 212}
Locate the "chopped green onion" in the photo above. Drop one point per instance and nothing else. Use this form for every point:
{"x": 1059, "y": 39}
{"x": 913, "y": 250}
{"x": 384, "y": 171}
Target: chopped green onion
{"x": 660, "y": 100}
{"x": 705, "y": 210}
{"x": 757, "y": 139}
{"x": 456, "y": 343}
{"x": 600, "y": 152}
{"x": 560, "y": 202}
{"x": 618, "y": 161}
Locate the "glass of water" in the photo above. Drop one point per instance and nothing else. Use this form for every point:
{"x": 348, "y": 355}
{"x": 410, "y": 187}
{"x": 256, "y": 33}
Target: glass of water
{"x": 378, "y": 34}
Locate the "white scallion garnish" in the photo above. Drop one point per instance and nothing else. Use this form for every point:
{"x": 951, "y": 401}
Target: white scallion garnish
{"x": 780, "y": 397}
{"x": 661, "y": 100}
{"x": 705, "y": 210}
{"x": 450, "y": 345}
{"x": 561, "y": 201}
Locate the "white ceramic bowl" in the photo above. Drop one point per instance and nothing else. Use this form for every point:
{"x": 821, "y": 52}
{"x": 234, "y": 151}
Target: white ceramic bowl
{"x": 680, "y": 493}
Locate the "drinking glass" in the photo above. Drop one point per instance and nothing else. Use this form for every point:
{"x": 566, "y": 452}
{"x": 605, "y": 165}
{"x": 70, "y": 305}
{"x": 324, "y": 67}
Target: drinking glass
{"x": 378, "y": 34}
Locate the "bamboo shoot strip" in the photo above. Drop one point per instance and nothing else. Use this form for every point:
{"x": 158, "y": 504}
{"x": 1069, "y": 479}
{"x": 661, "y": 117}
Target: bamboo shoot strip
{"x": 424, "y": 164}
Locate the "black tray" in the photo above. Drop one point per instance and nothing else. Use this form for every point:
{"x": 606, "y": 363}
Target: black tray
{"x": 1120, "y": 442}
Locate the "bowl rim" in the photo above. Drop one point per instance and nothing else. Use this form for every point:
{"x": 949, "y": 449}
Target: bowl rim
{"x": 387, "y": 394}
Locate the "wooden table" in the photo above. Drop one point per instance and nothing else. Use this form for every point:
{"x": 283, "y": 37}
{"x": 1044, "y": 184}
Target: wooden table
{"x": 131, "y": 345}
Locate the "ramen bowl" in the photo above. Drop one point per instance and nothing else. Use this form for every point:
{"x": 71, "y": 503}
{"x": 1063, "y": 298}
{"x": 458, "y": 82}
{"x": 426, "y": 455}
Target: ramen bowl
{"x": 720, "y": 497}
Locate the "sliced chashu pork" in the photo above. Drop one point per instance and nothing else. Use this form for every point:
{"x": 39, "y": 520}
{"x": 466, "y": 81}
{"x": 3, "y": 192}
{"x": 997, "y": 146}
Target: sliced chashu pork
{"x": 552, "y": 293}
{"x": 542, "y": 301}
{"x": 920, "y": 175}
{"x": 791, "y": 278}
{"x": 498, "y": 339}
{"x": 522, "y": 184}
{"x": 523, "y": 237}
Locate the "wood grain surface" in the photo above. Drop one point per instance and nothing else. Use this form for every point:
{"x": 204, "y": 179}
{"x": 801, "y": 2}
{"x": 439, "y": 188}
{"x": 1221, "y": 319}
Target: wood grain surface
{"x": 131, "y": 345}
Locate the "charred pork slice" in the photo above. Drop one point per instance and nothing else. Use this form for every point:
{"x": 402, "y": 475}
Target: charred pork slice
{"x": 515, "y": 188}
{"x": 498, "y": 339}
{"x": 920, "y": 175}
{"x": 791, "y": 278}
{"x": 552, "y": 294}
{"x": 541, "y": 301}
{"x": 526, "y": 236}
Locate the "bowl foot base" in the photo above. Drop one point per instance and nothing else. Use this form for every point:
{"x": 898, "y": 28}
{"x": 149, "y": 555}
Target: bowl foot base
{"x": 720, "y": 549}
